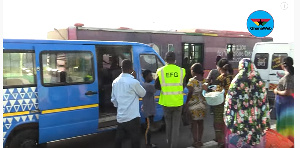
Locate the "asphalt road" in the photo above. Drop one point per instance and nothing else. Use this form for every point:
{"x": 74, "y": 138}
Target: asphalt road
{"x": 106, "y": 139}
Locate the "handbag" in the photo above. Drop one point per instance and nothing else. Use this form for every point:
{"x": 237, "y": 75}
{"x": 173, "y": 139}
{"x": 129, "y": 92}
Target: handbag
{"x": 276, "y": 140}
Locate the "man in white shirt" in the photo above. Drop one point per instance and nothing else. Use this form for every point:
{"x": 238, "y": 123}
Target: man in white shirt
{"x": 126, "y": 91}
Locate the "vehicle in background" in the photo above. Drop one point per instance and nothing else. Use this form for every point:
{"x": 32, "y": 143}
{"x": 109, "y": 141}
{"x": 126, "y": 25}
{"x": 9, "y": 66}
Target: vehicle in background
{"x": 267, "y": 57}
{"x": 55, "y": 89}
{"x": 190, "y": 45}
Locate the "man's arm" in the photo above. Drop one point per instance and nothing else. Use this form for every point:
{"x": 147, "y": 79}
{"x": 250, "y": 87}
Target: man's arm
{"x": 113, "y": 98}
{"x": 157, "y": 84}
{"x": 209, "y": 78}
{"x": 139, "y": 90}
{"x": 283, "y": 93}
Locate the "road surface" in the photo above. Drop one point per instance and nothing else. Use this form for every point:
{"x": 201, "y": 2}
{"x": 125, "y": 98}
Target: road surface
{"x": 106, "y": 139}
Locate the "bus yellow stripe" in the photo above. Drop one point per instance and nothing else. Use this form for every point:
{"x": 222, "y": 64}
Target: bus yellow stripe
{"x": 69, "y": 108}
{"x": 15, "y": 114}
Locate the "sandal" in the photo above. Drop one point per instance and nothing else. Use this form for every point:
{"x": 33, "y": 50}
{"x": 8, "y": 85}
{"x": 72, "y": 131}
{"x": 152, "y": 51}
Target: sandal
{"x": 199, "y": 144}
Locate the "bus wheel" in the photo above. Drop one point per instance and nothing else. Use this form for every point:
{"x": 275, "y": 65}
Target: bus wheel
{"x": 25, "y": 139}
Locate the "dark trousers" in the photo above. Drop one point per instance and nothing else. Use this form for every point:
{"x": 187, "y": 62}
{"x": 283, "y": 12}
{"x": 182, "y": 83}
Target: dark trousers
{"x": 172, "y": 118}
{"x": 132, "y": 129}
{"x": 149, "y": 121}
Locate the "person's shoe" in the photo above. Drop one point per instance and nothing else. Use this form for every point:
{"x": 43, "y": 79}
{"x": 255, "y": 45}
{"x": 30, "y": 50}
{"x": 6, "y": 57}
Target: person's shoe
{"x": 151, "y": 146}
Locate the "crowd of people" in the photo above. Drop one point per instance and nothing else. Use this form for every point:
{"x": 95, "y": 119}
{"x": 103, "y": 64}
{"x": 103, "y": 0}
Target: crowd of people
{"x": 240, "y": 121}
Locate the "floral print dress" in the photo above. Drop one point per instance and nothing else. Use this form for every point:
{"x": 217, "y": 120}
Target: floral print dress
{"x": 196, "y": 103}
{"x": 246, "y": 109}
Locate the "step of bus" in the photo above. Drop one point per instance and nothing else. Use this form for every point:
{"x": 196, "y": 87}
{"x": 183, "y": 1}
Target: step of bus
{"x": 106, "y": 118}
{"x": 107, "y": 124}
{"x": 106, "y": 121}
{"x": 107, "y": 128}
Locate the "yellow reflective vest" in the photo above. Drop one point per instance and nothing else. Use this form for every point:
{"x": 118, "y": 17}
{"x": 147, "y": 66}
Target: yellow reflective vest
{"x": 171, "y": 81}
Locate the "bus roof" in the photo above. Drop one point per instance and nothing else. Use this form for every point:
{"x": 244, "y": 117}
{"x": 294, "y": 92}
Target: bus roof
{"x": 79, "y": 42}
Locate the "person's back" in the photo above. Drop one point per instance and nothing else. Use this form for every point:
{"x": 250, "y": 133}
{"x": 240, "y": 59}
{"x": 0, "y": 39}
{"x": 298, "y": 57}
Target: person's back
{"x": 126, "y": 91}
{"x": 170, "y": 81}
{"x": 148, "y": 107}
{"x": 122, "y": 88}
{"x": 248, "y": 80}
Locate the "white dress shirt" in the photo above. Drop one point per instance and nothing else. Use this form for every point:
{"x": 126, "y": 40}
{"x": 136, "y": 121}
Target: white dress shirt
{"x": 125, "y": 95}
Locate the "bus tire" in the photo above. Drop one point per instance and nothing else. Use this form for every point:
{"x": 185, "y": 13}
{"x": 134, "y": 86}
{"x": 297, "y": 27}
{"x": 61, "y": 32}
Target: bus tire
{"x": 25, "y": 139}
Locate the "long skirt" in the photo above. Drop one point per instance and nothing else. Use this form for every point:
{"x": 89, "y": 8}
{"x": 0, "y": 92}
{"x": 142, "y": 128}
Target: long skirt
{"x": 235, "y": 141}
{"x": 285, "y": 116}
{"x": 219, "y": 123}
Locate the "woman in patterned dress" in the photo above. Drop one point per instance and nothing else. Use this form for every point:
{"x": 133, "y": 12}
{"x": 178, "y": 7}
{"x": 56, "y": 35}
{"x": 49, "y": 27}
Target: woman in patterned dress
{"x": 246, "y": 109}
{"x": 285, "y": 100}
{"x": 196, "y": 103}
{"x": 224, "y": 80}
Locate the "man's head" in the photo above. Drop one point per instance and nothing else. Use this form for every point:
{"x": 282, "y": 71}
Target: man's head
{"x": 170, "y": 57}
{"x": 218, "y": 59}
{"x": 127, "y": 66}
{"x": 147, "y": 74}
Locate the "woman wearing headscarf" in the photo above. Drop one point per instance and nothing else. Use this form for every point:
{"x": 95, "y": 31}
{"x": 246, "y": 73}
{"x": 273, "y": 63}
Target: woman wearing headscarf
{"x": 246, "y": 109}
{"x": 285, "y": 100}
{"x": 224, "y": 80}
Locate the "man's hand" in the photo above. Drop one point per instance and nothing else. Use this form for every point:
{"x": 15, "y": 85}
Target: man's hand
{"x": 133, "y": 73}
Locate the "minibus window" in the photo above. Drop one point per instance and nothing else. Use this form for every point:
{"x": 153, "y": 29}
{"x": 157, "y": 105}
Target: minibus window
{"x": 277, "y": 60}
{"x": 66, "y": 68}
{"x": 18, "y": 69}
{"x": 261, "y": 60}
{"x": 150, "y": 62}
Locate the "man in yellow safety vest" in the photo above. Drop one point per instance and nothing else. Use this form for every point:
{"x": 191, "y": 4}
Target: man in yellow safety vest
{"x": 171, "y": 82}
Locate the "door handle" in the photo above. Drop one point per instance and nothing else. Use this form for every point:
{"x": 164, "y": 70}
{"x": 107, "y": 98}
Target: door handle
{"x": 273, "y": 74}
{"x": 91, "y": 93}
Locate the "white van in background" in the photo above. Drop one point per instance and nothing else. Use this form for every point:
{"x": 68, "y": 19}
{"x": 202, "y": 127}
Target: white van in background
{"x": 267, "y": 57}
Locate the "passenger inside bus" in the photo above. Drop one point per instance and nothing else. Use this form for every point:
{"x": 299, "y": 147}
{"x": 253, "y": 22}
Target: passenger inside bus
{"x": 115, "y": 69}
{"x": 109, "y": 60}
